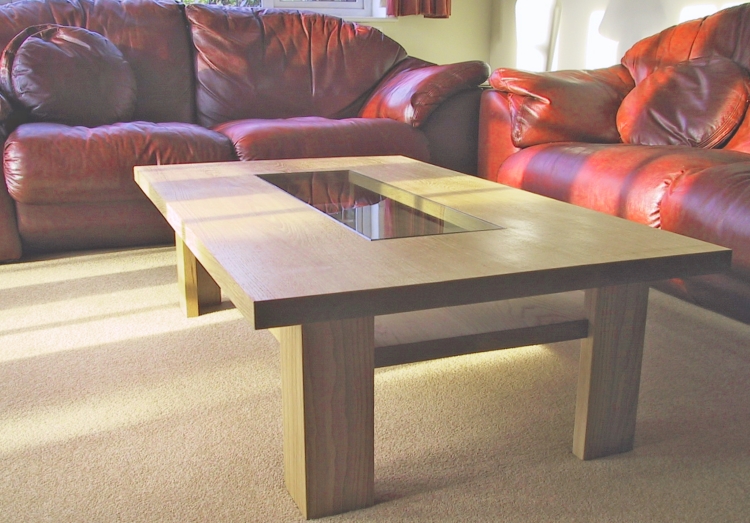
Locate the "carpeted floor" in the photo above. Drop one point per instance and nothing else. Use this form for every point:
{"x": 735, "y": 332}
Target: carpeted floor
{"x": 116, "y": 408}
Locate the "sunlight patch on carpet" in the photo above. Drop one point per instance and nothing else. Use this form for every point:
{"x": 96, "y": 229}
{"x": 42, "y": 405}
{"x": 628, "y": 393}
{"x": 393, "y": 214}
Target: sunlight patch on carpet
{"x": 461, "y": 364}
{"x": 234, "y": 382}
{"x": 71, "y": 325}
{"x": 68, "y": 267}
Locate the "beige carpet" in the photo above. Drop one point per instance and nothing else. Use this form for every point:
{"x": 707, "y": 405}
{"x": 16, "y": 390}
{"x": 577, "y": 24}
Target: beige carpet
{"x": 116, "y": 408}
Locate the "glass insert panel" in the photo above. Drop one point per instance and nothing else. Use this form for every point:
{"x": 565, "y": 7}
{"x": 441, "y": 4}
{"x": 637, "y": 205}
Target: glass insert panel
{"x": 372, "y": 208}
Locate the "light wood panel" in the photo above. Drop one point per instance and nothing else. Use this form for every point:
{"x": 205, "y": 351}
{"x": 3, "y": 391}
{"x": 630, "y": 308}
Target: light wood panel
{"x": 438, "y": 333}
{"x": 610, "y": 370}
{"x": 284, "y": 263}
{"x": 327, "y": 395}
{"x": 197, "y": 289}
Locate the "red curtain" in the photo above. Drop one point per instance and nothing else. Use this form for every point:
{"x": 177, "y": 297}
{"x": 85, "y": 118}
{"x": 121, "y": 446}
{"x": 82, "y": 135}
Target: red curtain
{"x": 428, "y": 8}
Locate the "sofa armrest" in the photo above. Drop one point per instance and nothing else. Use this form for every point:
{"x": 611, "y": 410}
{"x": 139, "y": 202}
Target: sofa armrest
{"x": 411, "y": 96}
{"x": 563, "y": 106}
{"x": 451, "y": 132}
{"x": 6, "y": 115}
{"x": 11, "y": 116}
{"x": 495, "y": 131}
{"x": 6, "y": 109}
{"x": 10, "y": 241}
{"x": 713, "y": 205}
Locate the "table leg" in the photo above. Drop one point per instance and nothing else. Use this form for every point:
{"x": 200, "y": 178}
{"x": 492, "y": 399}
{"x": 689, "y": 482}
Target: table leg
{"x": 327, "y": 382}
{"x": 196, "y": 287}
{"x": 610, "y": 370}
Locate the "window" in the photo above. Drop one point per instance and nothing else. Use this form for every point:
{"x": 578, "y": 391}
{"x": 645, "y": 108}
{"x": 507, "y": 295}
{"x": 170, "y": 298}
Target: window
{"x": 342, "y": 8}
{"x": 336, "y": 7}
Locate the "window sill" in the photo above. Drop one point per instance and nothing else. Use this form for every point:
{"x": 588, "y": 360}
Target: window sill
{"x": 370, "y": 19}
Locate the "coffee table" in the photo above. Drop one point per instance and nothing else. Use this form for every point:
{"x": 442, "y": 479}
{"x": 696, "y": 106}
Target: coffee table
{"x": 342, "y": 304}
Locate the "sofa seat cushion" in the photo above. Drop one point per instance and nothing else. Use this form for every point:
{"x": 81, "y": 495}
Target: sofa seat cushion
{"x": 48, "y": 163}
{"x": 697, "y": 103}
{"x": 628, "y": 181}
{"x": 315, "y": 137}
{"x": 283, "y": 64}
{"x": 723, "y": 293}
{"x": 68, "y": 75}
{"x": 714, "y": 206}
{"x": 91, "y": 225}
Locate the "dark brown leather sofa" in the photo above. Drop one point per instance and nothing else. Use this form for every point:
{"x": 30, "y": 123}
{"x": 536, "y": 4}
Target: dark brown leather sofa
{"x": 91, "y": 88}
{"x": 662, "y": 138}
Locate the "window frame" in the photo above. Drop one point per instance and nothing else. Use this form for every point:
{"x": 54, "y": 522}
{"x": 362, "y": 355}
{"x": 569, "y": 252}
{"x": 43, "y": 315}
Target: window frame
{"x": 360, "y": 9}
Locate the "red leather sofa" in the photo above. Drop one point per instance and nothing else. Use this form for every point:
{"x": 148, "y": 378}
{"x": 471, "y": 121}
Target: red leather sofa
{"x": 91, "y": 88}
{"x": 663, "y": 138}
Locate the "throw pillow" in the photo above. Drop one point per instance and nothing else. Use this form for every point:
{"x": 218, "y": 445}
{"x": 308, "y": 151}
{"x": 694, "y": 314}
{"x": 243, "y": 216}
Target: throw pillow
{"x": 68, "y": 75}
{"x": 698, "y": 103}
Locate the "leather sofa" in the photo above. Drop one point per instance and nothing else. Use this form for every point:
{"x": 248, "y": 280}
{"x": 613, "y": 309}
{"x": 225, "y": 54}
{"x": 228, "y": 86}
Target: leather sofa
{"x": 663, "y": 138}
{"x": 91, "y": 88}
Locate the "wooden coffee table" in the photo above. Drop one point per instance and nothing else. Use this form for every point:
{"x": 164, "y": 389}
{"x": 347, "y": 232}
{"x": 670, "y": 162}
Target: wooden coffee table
{"x": 341, "y": 304}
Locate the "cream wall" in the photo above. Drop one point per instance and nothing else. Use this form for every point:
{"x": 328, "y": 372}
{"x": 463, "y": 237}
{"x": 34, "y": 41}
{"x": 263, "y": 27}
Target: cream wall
{"x": 463, "y": 36}
{"x": 485, "y": 30}
{"x": 641, "y": 21}
{"x": 477, "y": 30}
{"x": 502, "y": 43}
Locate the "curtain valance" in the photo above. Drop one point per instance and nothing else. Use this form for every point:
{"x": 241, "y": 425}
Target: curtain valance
{"x": 428, "y": 8}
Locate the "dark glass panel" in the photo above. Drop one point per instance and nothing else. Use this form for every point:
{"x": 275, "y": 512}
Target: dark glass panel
{"x": 374, "y": 209}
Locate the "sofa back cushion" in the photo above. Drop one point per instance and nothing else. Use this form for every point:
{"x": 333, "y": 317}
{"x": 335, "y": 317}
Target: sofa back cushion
{"x": 68, "y": 75}
{"x": 697, "y": 103}
{"x": 725, "y": 33}
{"x": 563, "y": 106}
{"x": 151, "y": 35}
{"x": 281, "y": 64}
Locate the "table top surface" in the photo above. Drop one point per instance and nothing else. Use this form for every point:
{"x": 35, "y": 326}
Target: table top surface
{"x": 282, "y": 262}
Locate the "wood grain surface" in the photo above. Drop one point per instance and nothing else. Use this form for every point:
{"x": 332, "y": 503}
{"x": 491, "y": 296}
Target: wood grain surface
{"x": 284, "y": 263}
{"x": 610, "y": 370}
{"x": 197, "y": 289}
{"x": 327, "y": 386}
{"x": 452, "y": 331}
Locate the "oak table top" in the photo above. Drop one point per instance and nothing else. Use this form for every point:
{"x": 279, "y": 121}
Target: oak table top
{"x": 286, "y": 263}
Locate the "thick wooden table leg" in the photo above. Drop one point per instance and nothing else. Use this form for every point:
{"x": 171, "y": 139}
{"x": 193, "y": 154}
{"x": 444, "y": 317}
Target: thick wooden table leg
{"x": 327, "y": 381}
{"x": 610, "y": 371}
{"x": 196, "y": 287}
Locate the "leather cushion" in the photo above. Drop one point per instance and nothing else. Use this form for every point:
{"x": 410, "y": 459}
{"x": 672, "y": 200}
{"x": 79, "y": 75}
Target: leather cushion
{"x": 68, "y": 75}
{"x": 629, "y": 181}
{"x": 49, "y": 163}
{"x": 316, "y": 137}
{"x": 714, "y": 206}
{"x": 412, "y": 96}
{"x": 723, "y": 33}
{"x": 326, "y": 191}
{"x": 563, "y": 106}
{"x": 152, "y": 36}
{"x": 698, "y": 103}
{"x": 91, "y": 225}
{"x": 253, "y": 63}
